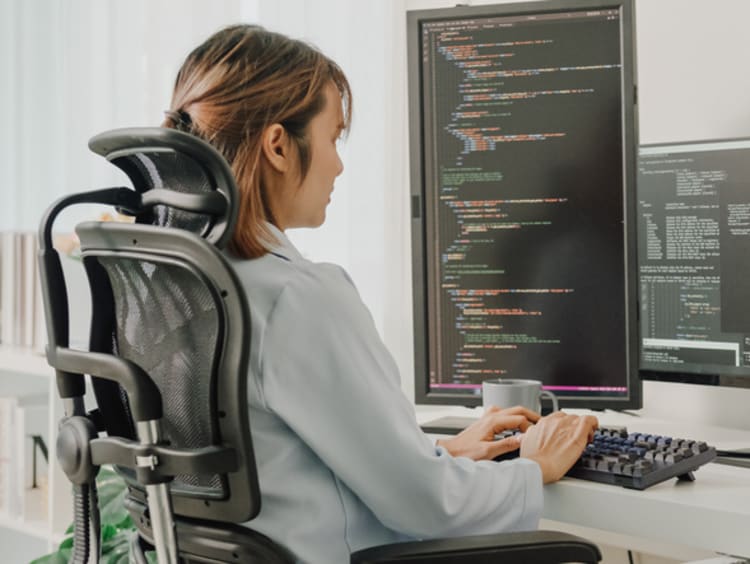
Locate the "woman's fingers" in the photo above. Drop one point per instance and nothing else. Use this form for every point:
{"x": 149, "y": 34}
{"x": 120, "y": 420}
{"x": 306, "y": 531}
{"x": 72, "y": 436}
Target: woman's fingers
{"x": 503, "y": 422}
{"x": 502, "y": 446}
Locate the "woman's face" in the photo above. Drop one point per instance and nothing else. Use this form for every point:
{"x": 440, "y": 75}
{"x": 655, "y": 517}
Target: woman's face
{"x": 304, "y": 205}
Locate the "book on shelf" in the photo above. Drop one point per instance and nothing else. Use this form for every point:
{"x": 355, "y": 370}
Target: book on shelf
{"x": 21, "y": 307}
{"x": 7, "y": 288}
{"x": 17, "y": 272}
{"x": 28, "y": 282}
{"x": 8, "y": 491}
{"x": 40, "y": 323}
{"x": 32, "y": 457}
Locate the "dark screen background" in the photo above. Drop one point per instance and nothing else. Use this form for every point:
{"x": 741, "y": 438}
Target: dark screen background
{"x": 693, "y": 246}
{"x": 524, "y": 202}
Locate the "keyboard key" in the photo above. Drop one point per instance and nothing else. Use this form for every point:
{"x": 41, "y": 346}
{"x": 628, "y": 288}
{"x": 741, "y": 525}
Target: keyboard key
{"x": 644, "y": 465}
{"x": 639, "y": 460}
{"x": 604, "y": 465}
{"x": 700, "y": 446}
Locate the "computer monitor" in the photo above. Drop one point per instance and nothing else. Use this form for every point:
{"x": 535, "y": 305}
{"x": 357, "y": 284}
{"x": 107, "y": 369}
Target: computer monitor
{"x": 523, "y": 164}
{"x": 694, "y": 261}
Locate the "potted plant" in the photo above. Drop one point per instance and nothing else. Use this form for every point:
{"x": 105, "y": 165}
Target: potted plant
{"x": 117, "y": 528}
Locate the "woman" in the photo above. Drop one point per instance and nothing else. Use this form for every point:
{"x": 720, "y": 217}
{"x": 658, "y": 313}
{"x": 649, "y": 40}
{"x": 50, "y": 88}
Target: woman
{"x": 342, "y": 463}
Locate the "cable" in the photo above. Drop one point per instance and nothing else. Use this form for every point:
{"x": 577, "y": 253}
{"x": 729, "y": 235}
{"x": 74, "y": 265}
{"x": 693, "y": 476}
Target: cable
{"x": 81, "y": 538}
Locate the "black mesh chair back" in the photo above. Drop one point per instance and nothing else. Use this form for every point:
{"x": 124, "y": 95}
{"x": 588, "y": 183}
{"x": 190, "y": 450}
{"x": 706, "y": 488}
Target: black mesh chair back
{"x": 167, "y": 322}
{"x": 187, "y": 331}
{"x": 152, "y": 308}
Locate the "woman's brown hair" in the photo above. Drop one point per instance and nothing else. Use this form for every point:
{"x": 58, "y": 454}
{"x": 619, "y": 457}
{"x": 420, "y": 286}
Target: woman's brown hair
{"x": 231, "y": 88}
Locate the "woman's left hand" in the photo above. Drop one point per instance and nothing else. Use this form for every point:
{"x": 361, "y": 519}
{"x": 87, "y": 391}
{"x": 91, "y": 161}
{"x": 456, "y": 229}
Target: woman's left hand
{"x": 478, "y": 441}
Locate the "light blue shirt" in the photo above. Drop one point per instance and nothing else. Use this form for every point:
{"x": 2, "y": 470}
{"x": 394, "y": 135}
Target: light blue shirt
{"x": 342, "y": 463}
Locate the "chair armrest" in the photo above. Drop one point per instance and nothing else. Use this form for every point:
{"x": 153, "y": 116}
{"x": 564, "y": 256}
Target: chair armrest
{"x": 143, "y": 393}
{"x": 529, "y": 547}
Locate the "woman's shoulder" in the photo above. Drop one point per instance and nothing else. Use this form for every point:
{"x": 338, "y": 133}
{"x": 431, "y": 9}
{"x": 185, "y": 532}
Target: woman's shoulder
{"x": 266, "y": 278}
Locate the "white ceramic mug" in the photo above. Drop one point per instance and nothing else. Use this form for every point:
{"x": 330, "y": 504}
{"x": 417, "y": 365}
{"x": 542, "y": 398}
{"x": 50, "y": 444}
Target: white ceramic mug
{"x": 507, "y": 392}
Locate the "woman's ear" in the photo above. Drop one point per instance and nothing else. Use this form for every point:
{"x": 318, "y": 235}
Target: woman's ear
{"x": 276, "y": 147}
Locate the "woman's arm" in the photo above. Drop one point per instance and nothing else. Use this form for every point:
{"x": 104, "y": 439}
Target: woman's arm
{"x": 327, "y": 374}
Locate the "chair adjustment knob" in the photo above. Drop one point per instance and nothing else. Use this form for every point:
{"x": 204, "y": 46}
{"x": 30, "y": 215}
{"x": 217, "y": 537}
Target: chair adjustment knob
{"x": 74, "y": 449}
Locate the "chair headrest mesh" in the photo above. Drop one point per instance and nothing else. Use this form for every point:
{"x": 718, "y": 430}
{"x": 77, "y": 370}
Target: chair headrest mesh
{"x": 166, "y": 159}
{"x": 173, "y": 171}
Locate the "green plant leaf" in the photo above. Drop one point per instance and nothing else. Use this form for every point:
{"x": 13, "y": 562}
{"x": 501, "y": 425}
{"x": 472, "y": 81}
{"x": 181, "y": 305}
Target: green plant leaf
{"x": 62, "y": 556}
{"x": 112, "y": 508}
{"x": 107, "y": 532}
{"x": 116, "y": 528}
{"x": 117, "y": 548}
{"x": 54, "y": 558}
{"x": 66, "y": 553}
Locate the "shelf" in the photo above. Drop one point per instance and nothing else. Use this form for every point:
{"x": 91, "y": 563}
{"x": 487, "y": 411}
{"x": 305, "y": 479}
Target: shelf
{"x": 21, "y": 360}
{"x": 39, "y": 529}
{"x": 24, "y": 372}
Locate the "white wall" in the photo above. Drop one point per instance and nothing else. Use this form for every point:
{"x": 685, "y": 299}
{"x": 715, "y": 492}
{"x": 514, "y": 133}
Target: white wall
{"x": 693, "y": 57}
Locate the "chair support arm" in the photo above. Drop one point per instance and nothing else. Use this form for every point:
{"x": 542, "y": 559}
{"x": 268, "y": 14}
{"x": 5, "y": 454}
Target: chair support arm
{"x": 168, "y": 462}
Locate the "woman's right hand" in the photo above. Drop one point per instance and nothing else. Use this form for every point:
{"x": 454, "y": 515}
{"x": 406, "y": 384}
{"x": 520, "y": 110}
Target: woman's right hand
{"x": 556, "y": 442}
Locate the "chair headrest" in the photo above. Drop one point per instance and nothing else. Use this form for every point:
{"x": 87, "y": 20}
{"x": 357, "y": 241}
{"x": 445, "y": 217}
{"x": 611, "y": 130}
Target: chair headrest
{"x": 180, "y": 180}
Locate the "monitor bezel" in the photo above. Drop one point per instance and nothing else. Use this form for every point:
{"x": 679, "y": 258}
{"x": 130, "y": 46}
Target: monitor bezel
{"x": 415, "y": 20}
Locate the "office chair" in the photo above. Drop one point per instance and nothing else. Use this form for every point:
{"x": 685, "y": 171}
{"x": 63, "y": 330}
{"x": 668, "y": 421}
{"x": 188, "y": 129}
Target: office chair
{"x": 167, "y": 362}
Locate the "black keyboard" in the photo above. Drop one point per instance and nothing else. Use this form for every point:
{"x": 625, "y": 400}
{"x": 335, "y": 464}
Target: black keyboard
{"x": 635, "y": 460}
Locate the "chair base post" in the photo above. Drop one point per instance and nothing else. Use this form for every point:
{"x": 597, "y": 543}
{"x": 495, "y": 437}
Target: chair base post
{"x": 160, "y": 508}
{"x": 158, "y": 497}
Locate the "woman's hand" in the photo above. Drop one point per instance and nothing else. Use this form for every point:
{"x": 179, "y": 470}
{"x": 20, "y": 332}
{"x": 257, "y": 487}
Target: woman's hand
{"x": 478, "y": 442}
{"x": 557, "y": 441}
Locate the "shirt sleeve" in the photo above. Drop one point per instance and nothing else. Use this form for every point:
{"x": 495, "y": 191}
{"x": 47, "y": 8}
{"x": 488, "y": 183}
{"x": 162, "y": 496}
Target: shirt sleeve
{"x": 327, "y": 374}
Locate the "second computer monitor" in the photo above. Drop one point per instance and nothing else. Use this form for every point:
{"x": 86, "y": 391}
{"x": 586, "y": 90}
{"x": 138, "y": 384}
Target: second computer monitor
{"x": 523, "y": 168}
{"x": 694, "y": 260}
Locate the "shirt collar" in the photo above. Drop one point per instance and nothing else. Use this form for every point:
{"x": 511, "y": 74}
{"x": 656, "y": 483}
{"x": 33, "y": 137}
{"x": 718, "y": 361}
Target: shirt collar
{"x": 282, "y": 247}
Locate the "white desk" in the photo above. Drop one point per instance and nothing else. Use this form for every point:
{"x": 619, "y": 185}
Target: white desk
{"x": 712, "y": 513}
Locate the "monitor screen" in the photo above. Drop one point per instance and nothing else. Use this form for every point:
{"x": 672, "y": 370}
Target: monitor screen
{"x": 694, "y": 259}
{"x": 523, "y": 163}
